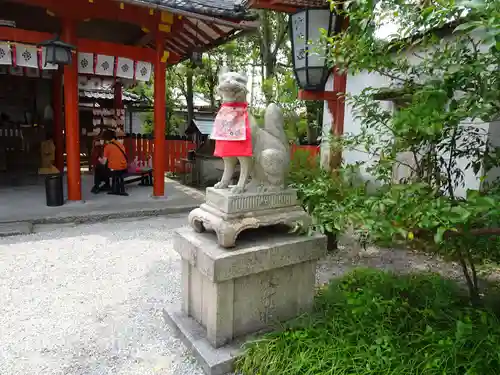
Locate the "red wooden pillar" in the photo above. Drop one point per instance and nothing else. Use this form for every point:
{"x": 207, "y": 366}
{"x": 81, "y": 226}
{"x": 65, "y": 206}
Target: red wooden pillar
{"x": 72, "y": 116}
{"x": 118, "y": 101}
{"x": 118, "y": 95}
{"x": 159, "y": 119}
{"x": 57, "y": 105}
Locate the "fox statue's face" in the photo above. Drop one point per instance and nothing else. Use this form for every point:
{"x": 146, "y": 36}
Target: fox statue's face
{"x": 232, "y": 87}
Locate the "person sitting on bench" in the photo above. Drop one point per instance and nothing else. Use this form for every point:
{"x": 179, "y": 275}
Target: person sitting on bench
{"x": 116, "y": 159}
{"x": 102, "y": 174}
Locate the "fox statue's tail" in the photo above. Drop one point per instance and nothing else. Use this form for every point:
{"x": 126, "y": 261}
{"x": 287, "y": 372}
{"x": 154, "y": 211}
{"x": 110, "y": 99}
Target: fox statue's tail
{"x": 274, "y": 123}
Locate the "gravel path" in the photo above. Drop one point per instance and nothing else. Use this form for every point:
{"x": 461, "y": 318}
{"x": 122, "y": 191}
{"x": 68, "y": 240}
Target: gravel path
{"x": 87, "y": 300}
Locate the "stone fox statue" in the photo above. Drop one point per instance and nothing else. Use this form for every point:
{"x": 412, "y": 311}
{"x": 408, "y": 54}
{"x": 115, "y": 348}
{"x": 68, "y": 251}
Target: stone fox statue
{"x": 263, "y": 153}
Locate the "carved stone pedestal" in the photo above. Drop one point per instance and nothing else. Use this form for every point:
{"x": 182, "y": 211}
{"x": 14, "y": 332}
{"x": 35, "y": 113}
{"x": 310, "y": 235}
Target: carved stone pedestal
{"x": 229, "y": 214}
{"x": 227, "y": 295}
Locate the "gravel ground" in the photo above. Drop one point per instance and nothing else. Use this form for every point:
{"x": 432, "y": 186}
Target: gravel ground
{"x": 88, "y": 300}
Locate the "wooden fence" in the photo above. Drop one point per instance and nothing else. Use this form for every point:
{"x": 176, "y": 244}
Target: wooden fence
{"x": 142, "y": 147}
{"x": 313, "y": 151}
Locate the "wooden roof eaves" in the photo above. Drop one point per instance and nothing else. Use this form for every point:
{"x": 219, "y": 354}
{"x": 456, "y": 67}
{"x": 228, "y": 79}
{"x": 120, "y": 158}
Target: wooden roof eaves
{"x": 250, "y": 21}
{"x": 216, "y": 43}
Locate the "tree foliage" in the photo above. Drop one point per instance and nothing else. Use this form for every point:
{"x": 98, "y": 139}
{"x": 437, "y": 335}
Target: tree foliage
{"x": 446, "y": 87}
{"x": 173, "y": 120}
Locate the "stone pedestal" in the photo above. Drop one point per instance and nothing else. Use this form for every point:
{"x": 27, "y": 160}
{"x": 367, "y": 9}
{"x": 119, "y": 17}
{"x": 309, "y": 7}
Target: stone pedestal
{"x": 226, "y": 295}
{"x": 229, "y": 214}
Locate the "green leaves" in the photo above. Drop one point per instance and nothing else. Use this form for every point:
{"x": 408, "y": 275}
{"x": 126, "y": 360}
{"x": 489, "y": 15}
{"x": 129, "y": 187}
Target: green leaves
{"x": 370, "y": 322}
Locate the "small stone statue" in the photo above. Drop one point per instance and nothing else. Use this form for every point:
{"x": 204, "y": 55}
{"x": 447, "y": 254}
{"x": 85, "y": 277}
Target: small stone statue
{"x": 263, "y": 153}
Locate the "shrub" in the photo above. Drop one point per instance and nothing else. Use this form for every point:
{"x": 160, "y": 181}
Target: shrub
{"x": 323, "y": 195}
{"x": 420, "y": 151}
{"x": 378, "y": 323}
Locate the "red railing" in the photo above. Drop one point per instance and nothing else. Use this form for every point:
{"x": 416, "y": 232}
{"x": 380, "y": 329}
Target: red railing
{"x": 313, "y": 151}
{"x": 142, "y": 147}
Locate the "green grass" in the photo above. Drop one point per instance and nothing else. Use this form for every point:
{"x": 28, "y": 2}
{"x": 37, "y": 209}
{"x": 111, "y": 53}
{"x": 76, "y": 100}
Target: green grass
{"x": 378, "y": 323}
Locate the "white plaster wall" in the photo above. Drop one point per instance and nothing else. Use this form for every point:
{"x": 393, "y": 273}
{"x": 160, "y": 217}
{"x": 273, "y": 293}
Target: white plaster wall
{"x": 326, "y": 128}
{"x": 355, "y": 84}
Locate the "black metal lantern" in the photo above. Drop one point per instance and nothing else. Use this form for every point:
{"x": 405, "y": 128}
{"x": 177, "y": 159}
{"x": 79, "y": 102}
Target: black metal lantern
{"x": 308, "y": 50}
{"x": 57, "y": 52}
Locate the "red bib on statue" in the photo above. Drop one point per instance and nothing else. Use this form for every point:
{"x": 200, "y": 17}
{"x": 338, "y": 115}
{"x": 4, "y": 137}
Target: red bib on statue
{"x": 231, "y": 131}
{"x": 230, "y": 123}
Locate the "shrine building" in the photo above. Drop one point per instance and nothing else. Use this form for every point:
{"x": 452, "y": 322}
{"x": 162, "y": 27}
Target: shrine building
{"x": 115, "y": 44}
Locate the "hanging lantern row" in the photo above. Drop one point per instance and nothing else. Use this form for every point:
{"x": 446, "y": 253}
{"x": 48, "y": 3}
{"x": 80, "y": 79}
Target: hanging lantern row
{"x": 52, "y": 54}
{"x": 308, "y": 49}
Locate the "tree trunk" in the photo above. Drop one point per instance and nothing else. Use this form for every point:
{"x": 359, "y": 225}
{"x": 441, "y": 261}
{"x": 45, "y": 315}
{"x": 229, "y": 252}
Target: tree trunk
{"x": 189, "y": 96}
{"x": 213, "y": 104}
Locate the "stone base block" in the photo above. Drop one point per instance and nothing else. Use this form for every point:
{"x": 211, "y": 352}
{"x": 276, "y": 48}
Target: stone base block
{"x": 230, "y": 203}
{"x": 229, "y": 214}
{"x": 268, "y": 278}
{"x": 228, "y": 226}
{"x": 213, "y": 361}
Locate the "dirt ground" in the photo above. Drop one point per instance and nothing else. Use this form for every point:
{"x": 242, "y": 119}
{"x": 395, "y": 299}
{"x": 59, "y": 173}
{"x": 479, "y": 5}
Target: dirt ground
{"x": 350, "y": 256}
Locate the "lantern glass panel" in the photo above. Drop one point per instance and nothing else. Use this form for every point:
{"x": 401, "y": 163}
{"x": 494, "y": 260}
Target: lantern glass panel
{"x": 49, "y": 54}
{"x": 318, "y": 19}
{"x": 317, "y": 77}
{"x": 62, "y": 56}
{"x": 299, "y": 35}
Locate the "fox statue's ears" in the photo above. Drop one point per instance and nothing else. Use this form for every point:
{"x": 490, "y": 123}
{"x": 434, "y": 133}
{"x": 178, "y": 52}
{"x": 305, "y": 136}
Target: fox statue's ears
{"x": 240, "y": 77}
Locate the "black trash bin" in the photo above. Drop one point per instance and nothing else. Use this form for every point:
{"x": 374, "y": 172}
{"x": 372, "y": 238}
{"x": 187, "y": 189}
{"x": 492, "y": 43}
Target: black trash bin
{"x": 54, "y": 190}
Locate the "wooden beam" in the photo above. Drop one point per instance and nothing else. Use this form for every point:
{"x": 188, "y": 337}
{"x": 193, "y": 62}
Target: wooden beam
{"x": 217, "y": 30}
{"x": 99, "y": 9}
{"x": 318, "y": 95}
{"x": 11, "y": 34}
{"x": 189, "y": 43}
{"x": 145, "y": 40}
{"x": 174, "y": 48}
{"x": 197, "y": 30}
{"x": 91, "y": 46}
{"x": 266, "y": 4}
{"x": 83, "y": 45}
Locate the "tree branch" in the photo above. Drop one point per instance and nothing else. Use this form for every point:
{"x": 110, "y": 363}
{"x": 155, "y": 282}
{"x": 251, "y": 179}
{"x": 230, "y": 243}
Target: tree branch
{"x": 280, "y": 35}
